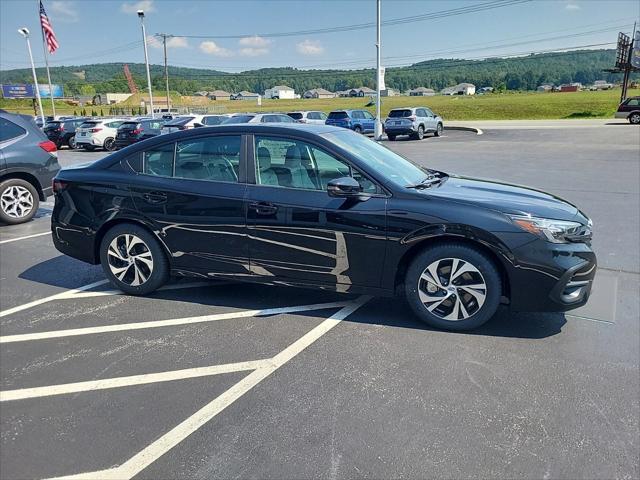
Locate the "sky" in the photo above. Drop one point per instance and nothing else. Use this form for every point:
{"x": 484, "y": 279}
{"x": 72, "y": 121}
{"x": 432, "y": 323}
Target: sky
{"x": 100, "y": 31}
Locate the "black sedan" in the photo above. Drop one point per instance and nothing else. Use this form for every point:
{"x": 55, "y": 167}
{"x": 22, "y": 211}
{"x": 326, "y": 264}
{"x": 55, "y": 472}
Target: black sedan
{"x": 322, "y": 207}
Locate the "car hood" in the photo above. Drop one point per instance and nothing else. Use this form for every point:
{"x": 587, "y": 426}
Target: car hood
{"x": 506, "y": 198}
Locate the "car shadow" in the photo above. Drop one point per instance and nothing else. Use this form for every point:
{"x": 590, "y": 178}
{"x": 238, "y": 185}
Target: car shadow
{"x": 391, "y": 312}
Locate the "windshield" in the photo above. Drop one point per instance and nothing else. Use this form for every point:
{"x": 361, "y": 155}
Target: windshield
{"x": 214, "y": 120}
{"x": 238, "y": 119}
{"x": 399, "y": 113}
{"x": 337, "y": 115}
{"x": 179, "y": 122}
{"x": 128, "y": 126}
{"x": 295, "y": 115}
{"x": 387, "y": 164}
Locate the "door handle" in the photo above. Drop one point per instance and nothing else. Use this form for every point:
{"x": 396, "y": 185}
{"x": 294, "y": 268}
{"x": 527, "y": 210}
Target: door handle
{"x": 263, "y": 208}
{"x": 155, "y": 197}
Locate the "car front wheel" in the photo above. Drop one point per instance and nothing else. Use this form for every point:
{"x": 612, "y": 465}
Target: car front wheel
{"x": 72, "y": 142}
{"x": 439, "y": 130}
{"x": 634, "y": 118}
{"x": 453, "y": 286}
{"x": 133, "y": 259}
{"x": 109, "y": 144}
{"x": 18, "y": 201}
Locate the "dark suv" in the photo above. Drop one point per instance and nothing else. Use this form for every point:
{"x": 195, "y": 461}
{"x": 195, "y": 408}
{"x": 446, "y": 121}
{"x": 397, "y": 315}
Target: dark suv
{"x": 28, "y": 163}
{"x": 134, "y": 131}
{"x": 630, "y": 109}
{"x": 63, "y": 132}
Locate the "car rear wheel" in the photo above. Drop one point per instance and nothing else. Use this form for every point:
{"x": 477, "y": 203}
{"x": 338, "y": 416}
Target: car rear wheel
{"x": 419, "y": 135}
{"x": 109, "y": 144}
{"x": 357, "y": 129}
{"x": 439, "y": 130}
{"x": 18, "y": 201}
{"x": 72, "y": 142}
{"x": 634, "y": 118}
{"x": 453, "y": 286}
{"x": 133, "y": 259}
{"x": 89, "y": 148}
{"x": 391, "y": 137}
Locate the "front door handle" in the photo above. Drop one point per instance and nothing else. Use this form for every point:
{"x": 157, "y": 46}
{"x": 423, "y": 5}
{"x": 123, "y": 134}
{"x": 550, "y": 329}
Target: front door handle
{"x": 155, "y": 197}
{"x": 263, "y": 208}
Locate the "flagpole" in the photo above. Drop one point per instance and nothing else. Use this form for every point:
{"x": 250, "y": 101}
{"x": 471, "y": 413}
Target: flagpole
{"x": 46, "y": 62}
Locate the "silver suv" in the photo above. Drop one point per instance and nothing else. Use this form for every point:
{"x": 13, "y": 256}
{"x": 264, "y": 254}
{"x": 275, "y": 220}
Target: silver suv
{"x": 412, "y": 121}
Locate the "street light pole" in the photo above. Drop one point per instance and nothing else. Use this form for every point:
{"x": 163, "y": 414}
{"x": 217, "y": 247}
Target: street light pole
{"x": 378, "y": 125}
{"x": 146, "y": 59}
{"x": 25, "y": 33}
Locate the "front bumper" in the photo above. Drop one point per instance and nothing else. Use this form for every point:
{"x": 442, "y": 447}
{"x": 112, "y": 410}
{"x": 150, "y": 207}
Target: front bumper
{"x": 548, "y": 277}
{"x": 88, "y": 141}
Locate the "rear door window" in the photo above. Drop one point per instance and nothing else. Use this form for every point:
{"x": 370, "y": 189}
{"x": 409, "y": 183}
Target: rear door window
{"x": 215, "y": 158}
{"x": 159, "y": 160}
{"x": 9, "y": 130}
{"x": 297, "y": 115}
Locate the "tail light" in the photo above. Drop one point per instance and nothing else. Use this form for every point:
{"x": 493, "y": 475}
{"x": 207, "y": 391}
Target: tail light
{"x": 412, "y": 118}
{"x": 60, "y": 129}
{"x": 95, "y": 130}
{"x": 137, "y": 131}
{"x": 48, "y": 146}
{"x": 58, "y": 185}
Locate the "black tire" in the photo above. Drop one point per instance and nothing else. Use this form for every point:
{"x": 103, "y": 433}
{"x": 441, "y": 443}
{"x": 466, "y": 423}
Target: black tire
{"x": 89, "y": 148}
{"x": 159, "y": 273}
{"x": 10, "y": 214}
{"x": 419, "y": 135}
{"x": 484, "y": 266}
{"x": 391, "y": 138}
{"x": 634, "y": 118}
{"x": 357, "y": 129}
{"x": 72, "y": 142}
{"x": 109, "y": 144}
{"x": 439, "y": 130}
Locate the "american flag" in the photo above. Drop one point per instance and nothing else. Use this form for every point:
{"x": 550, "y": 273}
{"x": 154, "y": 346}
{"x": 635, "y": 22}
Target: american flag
{"x": 47, "y": 30}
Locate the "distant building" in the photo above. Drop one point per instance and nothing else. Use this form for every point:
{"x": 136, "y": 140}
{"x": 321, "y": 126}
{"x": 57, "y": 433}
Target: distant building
{"x": 422, "y": 92}
{"x": 460, "y": 89}
{"x": 571, "y": 87}
{"x": 342, "y": 93}
{"x": 362, "y": 92}
{"x": 485, "y": 90}
{"x": 318, "y": 93}
{"x": 544, "y": 88}
{"x": 219, "y": 95}
{"x": 389, "y": 92}
{"x": 112, "y": 98}
{"x": 601, "y": 85}
{"x": 201, "y": 93}
{"x": 244, "y": 95}
{"x": 280, "y": 91}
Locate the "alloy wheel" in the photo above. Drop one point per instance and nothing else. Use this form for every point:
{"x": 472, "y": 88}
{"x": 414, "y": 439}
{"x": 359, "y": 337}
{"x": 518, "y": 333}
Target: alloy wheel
{"x": 130, "y": 259}
{"x": 452, "y": 289}
{"x": 109, "y": 144}
{"x": 16, "y": 201}
{"x": 635, "y": 118}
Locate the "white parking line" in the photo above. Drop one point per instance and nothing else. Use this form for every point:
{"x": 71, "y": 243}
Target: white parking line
{"x": 25, "y": 337}
{"x": 25, "y": 237}
{"x": 117, "y": 382}
{"x": 166, "y": 442}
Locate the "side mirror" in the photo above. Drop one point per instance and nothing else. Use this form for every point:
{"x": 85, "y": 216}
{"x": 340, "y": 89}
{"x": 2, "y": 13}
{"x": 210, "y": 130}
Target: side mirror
{"x": 344, "y": 187}
{"x": 197, "y": 125}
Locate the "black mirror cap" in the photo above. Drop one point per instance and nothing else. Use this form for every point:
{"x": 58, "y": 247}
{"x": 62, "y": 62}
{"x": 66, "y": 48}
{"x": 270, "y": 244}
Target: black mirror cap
{"x": 197, "y": 125}
{"x": 344, "y": 187}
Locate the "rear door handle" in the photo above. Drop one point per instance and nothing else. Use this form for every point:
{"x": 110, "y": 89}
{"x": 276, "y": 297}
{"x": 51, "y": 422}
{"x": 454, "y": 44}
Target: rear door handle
{"x": 155, "y": 197}
{"x": 263, "y": 208}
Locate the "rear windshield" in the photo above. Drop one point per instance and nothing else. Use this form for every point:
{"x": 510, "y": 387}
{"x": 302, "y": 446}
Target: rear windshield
{"x": 295, "y": 115}
{"x": 179, "y": 122}
{"x": 52, "y": 125}
{"x": 337, "y": 115}
{"x": 128, "y": 126}
{"x": 214, "y": 120}
{"x": 238, "y": 119}
{"x": 88, "y": 124}
{"x": 399, "y": 113}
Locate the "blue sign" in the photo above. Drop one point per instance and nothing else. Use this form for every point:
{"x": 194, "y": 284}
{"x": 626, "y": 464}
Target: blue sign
{"x": 29, "y": 91}
{"x": 18, "y": 91}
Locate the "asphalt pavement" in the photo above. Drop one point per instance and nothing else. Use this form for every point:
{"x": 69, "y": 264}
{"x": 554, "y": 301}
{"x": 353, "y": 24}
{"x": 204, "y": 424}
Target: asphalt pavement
{"x": 225, "y": 380}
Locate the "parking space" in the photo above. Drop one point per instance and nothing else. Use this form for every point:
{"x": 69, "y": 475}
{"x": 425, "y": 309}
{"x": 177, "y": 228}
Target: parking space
{"x": 224, "y": 380}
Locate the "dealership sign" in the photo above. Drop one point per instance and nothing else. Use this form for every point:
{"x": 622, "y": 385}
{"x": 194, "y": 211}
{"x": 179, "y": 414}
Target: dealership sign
{"x": 29, "y": 91}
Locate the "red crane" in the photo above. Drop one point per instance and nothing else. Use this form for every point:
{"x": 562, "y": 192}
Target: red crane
{"x": 130, "y": 82}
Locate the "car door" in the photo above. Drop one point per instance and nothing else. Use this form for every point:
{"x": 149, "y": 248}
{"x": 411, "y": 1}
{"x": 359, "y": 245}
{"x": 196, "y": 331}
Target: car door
{"x": 369, "y": 121}
{"x": 193, "y": 192}
{"x": 297, "y": 231}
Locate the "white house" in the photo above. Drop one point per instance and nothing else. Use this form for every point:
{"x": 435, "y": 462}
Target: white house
{"x": 421, "y": 92}
{"x": 280, "y": 91}
{"x": 460, "y": 89}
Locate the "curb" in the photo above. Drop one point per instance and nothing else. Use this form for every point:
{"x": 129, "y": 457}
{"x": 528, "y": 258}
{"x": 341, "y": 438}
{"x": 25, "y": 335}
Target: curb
{"x": 477, "y": 131}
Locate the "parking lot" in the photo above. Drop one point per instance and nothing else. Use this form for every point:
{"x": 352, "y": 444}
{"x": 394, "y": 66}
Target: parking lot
{"x": 224, "y": 380}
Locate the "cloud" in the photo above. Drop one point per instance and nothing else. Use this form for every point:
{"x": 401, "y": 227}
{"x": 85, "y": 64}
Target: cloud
{"x": 255, "y": 42}
{"x": 146, "y": 5}
{"x": 572, "y": 6}
{"x": 211, "y": 48}
{"x": 310, "y": 47}
{"x": 253, "y": 52}
{"x": 64, "y": 12}
{"x": 172, "y": 42}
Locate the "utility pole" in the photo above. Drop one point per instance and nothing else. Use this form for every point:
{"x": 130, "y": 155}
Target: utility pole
{"x": 146, "y": 59}
{"x": 166, "y": 66}
{"x": 25, "y": 33}
{"x": 378, "y": 125}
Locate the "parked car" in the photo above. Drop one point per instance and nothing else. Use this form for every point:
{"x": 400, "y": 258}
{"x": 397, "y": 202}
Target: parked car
{"x": 211, "y": 120}
{"x": 94, "y": 134}
{"x": 259, "y": 118}
{"x": 28, "y": 163}
{"x": 360, "y": 121}
{"x": 321, "y": 207}
{"x": 63, "y": 132}
{"x": 413, "y": 121}
{"x": 133, "y": 131}
{"x": 182, "y": 123}
{"x": 313, "y": 117}
{"x": 630, "y": 109}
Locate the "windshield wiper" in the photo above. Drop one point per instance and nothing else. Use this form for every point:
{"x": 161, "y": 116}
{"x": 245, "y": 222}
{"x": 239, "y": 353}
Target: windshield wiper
{"x": 426, "y": 182}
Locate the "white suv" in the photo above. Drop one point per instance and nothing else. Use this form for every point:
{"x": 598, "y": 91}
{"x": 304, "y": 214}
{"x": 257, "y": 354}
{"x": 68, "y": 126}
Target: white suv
{"x": 313, "y": 117}
{"x": 184, "y": 122}
{"x": 98, "y": 133}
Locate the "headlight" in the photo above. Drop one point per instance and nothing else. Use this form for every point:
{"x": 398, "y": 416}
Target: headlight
{"x": 556, "y": 231}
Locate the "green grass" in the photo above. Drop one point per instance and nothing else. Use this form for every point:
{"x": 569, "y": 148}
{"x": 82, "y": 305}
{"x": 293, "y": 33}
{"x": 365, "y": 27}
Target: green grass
{"x": 507, "y": 106}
